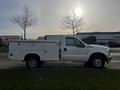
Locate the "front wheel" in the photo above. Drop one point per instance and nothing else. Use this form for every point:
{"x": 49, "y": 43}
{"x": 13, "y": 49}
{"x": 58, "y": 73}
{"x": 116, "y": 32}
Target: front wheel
{"x": 97, "y": 62}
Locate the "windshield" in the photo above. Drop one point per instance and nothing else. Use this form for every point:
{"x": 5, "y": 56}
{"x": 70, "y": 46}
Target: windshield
{"x": 72, "y": 41}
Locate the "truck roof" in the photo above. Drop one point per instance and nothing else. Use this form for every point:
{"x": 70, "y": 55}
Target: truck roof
{"x": 56, "y": 37}
{"x": 36, "y": 41}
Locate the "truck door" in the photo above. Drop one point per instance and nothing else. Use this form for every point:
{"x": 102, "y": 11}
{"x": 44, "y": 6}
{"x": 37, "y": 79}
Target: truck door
{"x": 74, "y": 49}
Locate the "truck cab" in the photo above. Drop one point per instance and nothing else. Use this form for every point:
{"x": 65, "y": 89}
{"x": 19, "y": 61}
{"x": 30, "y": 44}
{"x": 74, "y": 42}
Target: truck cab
{"x": 74, "y": 49}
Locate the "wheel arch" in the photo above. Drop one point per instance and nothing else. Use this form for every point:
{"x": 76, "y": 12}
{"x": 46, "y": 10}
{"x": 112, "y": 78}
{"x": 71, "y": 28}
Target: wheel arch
{"x": 31, "y": 55}
{"x": 98, "y": 54}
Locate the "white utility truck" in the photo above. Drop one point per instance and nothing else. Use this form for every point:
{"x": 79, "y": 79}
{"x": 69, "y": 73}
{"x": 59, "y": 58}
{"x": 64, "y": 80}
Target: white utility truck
{"x": 58, "y": 48}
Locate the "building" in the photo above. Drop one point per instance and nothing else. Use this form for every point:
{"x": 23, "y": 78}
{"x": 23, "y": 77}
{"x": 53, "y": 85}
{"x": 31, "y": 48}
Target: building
{"x": 40, "y": 38}
{"x": 6, "y": 38}
{"x": 102, "y": 37}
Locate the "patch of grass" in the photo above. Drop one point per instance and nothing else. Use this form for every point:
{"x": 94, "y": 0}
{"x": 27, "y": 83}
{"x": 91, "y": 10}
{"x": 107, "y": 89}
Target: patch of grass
{"x": 59, "y": 79}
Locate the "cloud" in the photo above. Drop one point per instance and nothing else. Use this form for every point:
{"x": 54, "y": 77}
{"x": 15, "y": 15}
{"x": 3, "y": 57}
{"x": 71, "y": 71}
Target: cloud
{"x": 7, "y": 7}
{"x": 99, "y": 14}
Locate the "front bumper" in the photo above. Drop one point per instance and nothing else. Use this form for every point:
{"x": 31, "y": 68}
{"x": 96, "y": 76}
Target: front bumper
{"x": 109, "y": 59}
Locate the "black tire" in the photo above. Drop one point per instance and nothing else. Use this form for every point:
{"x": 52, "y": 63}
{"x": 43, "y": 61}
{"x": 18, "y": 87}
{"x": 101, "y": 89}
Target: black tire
{"x": 97, "y": 61}
{"x": 33, "y": 62}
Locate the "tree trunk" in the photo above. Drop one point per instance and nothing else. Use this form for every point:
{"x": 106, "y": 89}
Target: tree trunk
{"x": 73, "y": 31}
{"x": 24, "y": 37}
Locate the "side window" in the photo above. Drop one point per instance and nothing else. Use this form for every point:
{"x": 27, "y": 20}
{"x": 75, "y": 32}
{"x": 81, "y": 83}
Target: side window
{"x": 78, "y": 43}
{"x": 70, "y": 41}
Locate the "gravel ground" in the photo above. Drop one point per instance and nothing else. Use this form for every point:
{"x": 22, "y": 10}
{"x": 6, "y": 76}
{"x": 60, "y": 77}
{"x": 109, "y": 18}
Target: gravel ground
{"x": 6, "y": 63}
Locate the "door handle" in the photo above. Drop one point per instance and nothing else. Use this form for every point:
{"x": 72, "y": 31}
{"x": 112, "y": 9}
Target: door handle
{"x": 65, "y": 49}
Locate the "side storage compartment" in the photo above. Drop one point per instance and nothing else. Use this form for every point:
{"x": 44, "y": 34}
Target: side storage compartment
{"x": 51, "y": 51}
{"x": 14, "y": 52}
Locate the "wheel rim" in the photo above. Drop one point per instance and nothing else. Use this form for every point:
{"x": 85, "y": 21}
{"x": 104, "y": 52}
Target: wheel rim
{"x": 97, "y": 63}
{"x": 32, "y": 63}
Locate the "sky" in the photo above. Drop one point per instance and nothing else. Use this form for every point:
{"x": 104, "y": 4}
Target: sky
{"x": 98, "y": 16}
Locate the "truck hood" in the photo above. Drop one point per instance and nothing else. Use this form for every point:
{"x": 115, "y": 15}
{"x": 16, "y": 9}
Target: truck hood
{"x": 97, "y": 46}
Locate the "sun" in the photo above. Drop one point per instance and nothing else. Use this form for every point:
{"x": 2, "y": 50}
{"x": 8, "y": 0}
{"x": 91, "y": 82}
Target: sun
{"x": 78, "y": 11}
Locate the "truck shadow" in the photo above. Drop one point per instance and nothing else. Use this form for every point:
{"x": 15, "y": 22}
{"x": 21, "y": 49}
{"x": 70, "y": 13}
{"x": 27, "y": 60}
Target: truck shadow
{"x": 61, "y": 66}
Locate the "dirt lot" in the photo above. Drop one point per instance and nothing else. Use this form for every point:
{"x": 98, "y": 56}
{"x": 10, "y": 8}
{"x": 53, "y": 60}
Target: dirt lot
{"x": 6, "y": 63}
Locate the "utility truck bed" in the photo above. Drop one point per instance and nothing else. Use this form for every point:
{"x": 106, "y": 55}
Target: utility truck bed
{"x": 48, "y": 50}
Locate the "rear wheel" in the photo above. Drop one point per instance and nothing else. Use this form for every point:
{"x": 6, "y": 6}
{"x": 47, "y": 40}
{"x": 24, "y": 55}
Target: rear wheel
{"x": 33, "y": 62}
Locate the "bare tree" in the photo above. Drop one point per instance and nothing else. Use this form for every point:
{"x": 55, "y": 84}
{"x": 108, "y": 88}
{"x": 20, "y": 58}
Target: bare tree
{"x": 25, "y": 20}
{"x": 72, "y": 22}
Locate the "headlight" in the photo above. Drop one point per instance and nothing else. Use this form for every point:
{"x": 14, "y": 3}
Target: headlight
{"x": 108, "y": 52}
